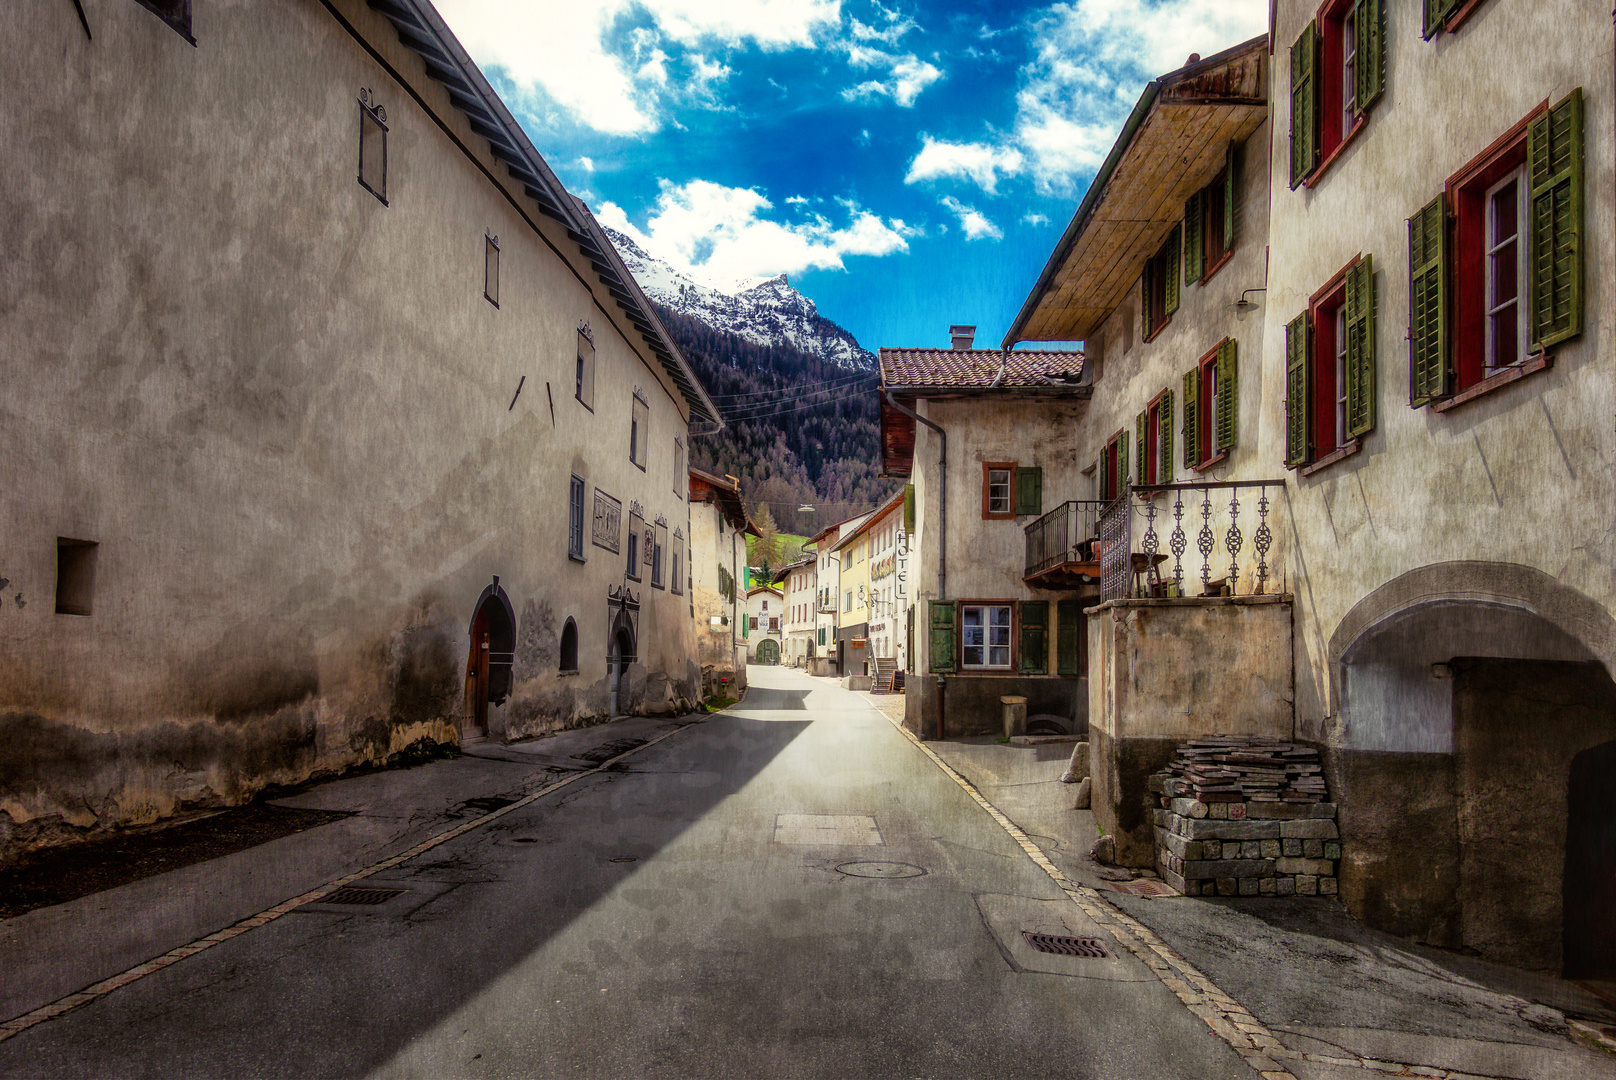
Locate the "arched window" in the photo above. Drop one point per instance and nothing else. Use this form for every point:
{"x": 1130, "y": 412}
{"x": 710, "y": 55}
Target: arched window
{"x": 569, "y": 648}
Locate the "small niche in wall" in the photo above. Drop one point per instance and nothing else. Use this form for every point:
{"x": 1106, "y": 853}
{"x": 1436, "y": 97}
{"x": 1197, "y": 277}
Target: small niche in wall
{"x": 569, "y": 648}
{"x": 491, "y": 269}
{"x": 75, "y": 576}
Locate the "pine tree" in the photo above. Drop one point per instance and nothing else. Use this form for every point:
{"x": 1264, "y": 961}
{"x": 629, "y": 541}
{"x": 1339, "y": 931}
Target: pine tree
{"x": 768, "y": 541}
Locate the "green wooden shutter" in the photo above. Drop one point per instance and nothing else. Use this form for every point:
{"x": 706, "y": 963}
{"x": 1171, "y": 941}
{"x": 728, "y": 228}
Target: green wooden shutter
{"x": 1141, "y": 429}
{"x": 1436, "y": 14}
{"x": 1361, "y": 348}
{"x": 1195, "y": 237}
{"x": 1172, "y": 270}
{"x": 1231, "y": 195}
{"x": 1069, "y": 637}
{"x": 1369, "y": 19}
{"x": 943, "y": 637}
{"x": 1428, "y": 303}
{"x": 1298, "y": 390}
{"x": 1034, "y": 658}
{"x": 1122, "y": 464}
{"x": 1554, "y": 159}
{"x": 1029, "y": 490}
{"x": 1164, "y": 439}
{"x": 1304, "y": 105}
{"x": 1144, "y": 302}
{"x": 909, "y": 509}
{"x": 1226, "y": 419}
{"x": 1192, "y": 418}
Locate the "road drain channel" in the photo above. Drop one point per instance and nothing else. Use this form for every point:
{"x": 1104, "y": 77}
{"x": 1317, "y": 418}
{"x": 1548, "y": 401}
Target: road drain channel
{"x": 880, "y": 870}
{"x": 353, "y": 894}
{"x": 1088, "y": 947}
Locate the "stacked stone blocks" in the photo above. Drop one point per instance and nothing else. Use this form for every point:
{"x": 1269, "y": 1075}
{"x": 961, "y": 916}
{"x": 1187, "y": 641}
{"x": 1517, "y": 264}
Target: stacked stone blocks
{"x": 1248, "y": 848}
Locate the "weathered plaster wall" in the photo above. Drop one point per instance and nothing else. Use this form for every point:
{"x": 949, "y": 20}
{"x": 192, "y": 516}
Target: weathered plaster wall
{"x": 1163, "y": 671}
{"x": 284, "y": 411}
{"x": 1520, "y": 476}
{"x": 713, "y": 544}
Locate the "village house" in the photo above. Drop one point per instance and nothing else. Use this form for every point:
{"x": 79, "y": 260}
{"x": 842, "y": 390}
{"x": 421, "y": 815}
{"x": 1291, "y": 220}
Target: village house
{"x": 1162, "y": 279}
{"x": 1443, "y": 238}
{"x": 718, "y": 531}
{"x": 335, "y": 425}
{"x": 799, "y": 580}
{"x": 982, "y": 434}
{"x": 765, "y": 609}
{"x": 878, "y": 563}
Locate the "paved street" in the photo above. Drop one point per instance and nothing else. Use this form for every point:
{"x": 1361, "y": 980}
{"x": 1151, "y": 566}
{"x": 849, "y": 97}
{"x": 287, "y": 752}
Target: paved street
{"x": 680, "y": 914}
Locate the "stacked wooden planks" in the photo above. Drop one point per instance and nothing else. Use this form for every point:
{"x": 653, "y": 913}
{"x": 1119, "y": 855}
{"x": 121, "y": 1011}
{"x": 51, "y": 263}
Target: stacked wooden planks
{"x": 1229, "y": 769}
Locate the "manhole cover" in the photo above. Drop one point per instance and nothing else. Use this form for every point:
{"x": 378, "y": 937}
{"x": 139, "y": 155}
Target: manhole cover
{"x": 1066, "y": 946}
{"x": 351, "y": 894}
{"x": 880, "y": 869}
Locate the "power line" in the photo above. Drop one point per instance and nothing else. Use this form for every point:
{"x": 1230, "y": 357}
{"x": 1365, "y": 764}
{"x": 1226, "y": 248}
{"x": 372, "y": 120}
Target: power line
{"x": 797, "y": 388}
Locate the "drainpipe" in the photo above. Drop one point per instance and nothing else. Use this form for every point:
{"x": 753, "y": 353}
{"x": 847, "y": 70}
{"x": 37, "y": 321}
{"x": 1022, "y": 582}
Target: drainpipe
{"x": 1004, "y": 365}
{"x": 942, "y": 521}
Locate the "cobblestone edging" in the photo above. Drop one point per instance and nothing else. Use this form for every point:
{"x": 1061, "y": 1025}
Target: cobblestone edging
{"x": 1228, "y": 1019}
{"x": 106, "y": 986}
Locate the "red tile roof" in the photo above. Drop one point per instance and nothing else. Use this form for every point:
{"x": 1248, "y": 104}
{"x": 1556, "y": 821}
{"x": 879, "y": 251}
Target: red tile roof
{"x": 976, "y": 369}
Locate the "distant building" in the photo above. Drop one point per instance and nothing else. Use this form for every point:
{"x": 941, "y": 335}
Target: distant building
{"x": 798, "y": 581}
{"x": 765, "y": 611}
{"x": 718, "y": 531}
{"x": 334, "y": 423}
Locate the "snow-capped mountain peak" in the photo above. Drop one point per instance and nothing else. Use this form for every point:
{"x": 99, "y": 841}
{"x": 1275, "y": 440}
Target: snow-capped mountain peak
{"x": 767, "y": 311}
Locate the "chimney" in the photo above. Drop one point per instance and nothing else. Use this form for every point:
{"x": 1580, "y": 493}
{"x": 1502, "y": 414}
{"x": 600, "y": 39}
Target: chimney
{"x": 962, "y": 336}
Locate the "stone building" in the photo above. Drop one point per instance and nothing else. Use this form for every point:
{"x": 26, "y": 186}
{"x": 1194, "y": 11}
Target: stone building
{"x": 334, "y": 423}
{"x": 982, "y": 434}
{"x": 718, "y": 531}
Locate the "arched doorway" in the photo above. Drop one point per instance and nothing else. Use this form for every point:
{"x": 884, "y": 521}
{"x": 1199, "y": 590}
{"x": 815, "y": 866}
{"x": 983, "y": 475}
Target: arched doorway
{"x": 1590, "y": 865}
{"x": 618, "y": 658}
{"x": 768, "y": 651}
{"x": 488, "y": 660}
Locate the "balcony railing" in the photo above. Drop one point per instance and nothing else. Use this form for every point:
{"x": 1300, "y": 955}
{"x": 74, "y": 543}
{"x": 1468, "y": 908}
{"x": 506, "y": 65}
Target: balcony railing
{"x": 1141, "y": 531}
{"x": 1061, "y": 545}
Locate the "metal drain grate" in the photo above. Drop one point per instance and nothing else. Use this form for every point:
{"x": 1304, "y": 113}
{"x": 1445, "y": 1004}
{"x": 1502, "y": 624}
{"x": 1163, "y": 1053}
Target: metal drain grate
{"x": 1142, "y": 887}
{"x": 353, "y": 894}
{"x": 1066, "y": 946}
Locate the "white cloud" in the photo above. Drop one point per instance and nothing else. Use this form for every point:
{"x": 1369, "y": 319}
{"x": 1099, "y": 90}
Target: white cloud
{"x": 1093, "y": 59}
{"x": 560, "y": 49}
{"x": 796, "y": 200}
{"x": 1035, "y": 219}
{"x": 587, "y": 164}
{"x": 981, "y": 163}
{"x": 720, "y": 235}
{"x": 897, "y": 25}
{"x": 976, "y": 225}
{"x": 908, "y": 75}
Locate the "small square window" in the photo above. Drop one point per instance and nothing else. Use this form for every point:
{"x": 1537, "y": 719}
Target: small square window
{"x": 373, "y": 148}
{"x": 491, "y": 269}
{"x": 998, "y": 480}
{"x": 75, "y": 576}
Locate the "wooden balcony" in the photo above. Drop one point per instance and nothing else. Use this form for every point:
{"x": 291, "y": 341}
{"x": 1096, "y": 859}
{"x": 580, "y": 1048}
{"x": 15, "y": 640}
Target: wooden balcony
{"x": 1063, "y": 551}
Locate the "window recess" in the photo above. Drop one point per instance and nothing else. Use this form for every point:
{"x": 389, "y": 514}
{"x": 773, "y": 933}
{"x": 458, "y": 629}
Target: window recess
{"x": 584, "y": 371}
{"x": 1209, "y": 221}
{"x": 1159, "y": 286}
{"x": 75, "y": 576}
{"x": 1338, "y": 73}
{"x": 638, "y": 429}
{"x": 372, "y": 145}
{"x": 998, "y": 483}
{"x": 1330, "y": 384}
{"x": 491, "y": 269}
{"x": 1495, "y": 262}
{"x": 1153, "y": 433}
{"x": 575, "y": 520}
{"x": 1211, "y": 406}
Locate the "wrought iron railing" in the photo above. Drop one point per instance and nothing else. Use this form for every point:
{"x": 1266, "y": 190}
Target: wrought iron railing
{"x": 1152, "y": 524}
{"x": 1063, "y": 535}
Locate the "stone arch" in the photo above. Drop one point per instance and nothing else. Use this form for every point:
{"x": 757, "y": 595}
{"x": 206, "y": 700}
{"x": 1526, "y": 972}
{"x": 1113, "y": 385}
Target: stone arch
{"x": 569, "y": 646}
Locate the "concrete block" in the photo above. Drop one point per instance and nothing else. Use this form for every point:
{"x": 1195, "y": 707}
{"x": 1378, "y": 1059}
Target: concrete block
{"x": 1194, "y": 808}
{"x": 1291, "y": 847}
{"x": 1310, "y": 829}
{"x": 1265, "y": 886}
{"x": 1269, "y": 849}
{"x": 1248, "y": 885}
{"x": 1218, "y": 810}
{"x": 1327, "y": 886}
{"x": 1307, "y": 885}
{"x": 1313, "y": 849}
{"x": 1228, "y": 886}
{"x": 1314, "y": 867}
{"x": 1015, "y": 715}
{"x": 1229, "y": 868}
{"x": 1285, "y": 886}
{"x": 1251, "y": 849}
{"x": 1332, "y": 849}
{"x": 1229, "y": 830}
{"x": 1270, "y": 811}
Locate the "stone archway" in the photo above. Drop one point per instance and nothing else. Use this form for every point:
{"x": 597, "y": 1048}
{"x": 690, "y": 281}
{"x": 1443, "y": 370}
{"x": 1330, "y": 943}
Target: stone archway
{"x": 492, "y": 636}
{"x": 768, "y": 651}
{"x": 1463, "y": 692}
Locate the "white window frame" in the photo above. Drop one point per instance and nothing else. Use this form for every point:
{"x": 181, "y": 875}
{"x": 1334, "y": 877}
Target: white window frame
{"x": 990, "y": 628}
{"x": 1009, "y": 490}
{"x": 1522, "y": 270}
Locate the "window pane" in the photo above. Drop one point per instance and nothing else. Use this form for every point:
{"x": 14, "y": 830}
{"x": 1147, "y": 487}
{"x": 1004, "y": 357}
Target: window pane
{"x": 972, "y": 656}
{"x": 999, "y": 656}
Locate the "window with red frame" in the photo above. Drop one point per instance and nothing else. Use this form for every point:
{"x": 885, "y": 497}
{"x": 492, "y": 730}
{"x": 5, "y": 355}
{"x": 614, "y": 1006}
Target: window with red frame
{"x": 1111, "y": 474}
{"x": 1495, "y": 261}
{"x": 1154, "y": 434}
{"x": 1159, "y": 286}
{"x": 1330, "y": 367}
{"x": 1210, "y": 406}
{"x": 1338, "y": 72}
{"x": 1209, "y": 221}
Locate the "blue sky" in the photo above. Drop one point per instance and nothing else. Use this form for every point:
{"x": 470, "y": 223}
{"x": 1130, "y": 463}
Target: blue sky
{"x": 908, "y": 166}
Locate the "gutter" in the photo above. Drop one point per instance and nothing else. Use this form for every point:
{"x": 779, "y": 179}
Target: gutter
{"x": 1085, "y": 209}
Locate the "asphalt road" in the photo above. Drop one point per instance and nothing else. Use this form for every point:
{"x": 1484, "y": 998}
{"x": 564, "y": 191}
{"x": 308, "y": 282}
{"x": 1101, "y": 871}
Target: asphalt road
{"x": 693, "y": 912}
